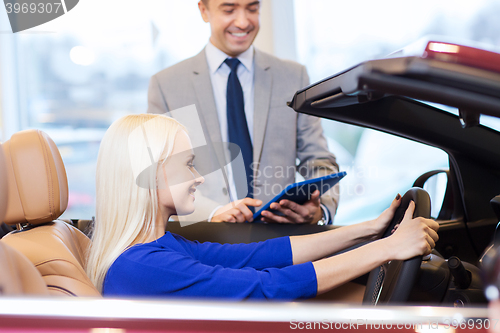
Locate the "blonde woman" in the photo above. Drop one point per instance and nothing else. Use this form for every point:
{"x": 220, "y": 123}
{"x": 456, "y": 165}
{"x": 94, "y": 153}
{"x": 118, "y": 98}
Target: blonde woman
{"x": 145, "y": 174}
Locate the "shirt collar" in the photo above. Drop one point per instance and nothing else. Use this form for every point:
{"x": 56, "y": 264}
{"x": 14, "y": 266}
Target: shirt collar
{"x": 216, "y": 58}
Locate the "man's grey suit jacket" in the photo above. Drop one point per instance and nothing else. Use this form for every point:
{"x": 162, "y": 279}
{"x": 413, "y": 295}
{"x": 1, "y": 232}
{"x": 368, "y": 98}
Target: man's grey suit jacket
{"x": 280, "y": 135}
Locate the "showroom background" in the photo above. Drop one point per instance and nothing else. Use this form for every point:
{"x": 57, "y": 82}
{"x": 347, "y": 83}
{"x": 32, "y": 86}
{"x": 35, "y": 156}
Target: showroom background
{"x": 73, "y": 76}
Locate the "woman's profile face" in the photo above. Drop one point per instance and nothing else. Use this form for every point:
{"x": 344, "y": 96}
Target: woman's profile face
{"x": 176, "y": 195}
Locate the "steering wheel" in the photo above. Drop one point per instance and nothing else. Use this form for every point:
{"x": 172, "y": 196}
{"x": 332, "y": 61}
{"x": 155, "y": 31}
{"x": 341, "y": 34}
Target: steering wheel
{"x": 393, "y": 281}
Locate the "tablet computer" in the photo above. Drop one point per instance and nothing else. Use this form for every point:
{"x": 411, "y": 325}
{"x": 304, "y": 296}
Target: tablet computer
{"x": 301, "y": 192}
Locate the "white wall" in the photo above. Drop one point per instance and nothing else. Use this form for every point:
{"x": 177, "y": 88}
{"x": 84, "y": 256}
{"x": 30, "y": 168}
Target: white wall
{"x": 9, "y": 121}
{"x": 277, "y": 29}
{"x": 277, "y": 36}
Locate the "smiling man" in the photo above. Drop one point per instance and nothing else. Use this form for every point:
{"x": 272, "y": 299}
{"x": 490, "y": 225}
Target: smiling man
{"x": 241, "y": 94}
{"x": 234, "y": 24}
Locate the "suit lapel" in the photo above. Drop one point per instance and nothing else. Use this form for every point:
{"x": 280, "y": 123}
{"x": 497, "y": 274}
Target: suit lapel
{"x": 205, "y": 97}
{"x": 262, "y": 100}
{"x": 206, "y": 102}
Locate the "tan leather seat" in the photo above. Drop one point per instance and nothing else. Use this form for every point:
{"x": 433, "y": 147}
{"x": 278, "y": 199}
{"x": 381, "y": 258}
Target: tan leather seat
{"x": 38, "y": 195}
{"x": 18, "y": 276}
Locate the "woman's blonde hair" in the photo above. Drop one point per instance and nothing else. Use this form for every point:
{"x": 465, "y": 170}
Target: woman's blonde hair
{"x": 126, "y": 198}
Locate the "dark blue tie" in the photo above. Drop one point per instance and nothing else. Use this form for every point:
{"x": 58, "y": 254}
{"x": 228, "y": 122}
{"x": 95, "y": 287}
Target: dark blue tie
{"x": 237, "y": 123}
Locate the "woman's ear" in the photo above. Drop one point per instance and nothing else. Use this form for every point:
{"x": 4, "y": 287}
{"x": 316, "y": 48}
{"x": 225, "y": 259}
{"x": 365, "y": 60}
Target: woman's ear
{"x": 144, "y": 178}
{"x": 161, "y": 180}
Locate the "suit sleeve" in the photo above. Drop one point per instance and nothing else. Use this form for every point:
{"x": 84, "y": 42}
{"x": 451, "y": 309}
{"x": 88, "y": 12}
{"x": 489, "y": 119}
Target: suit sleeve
{"x": 312, "y": 150}
{"x": 156, "y": 100}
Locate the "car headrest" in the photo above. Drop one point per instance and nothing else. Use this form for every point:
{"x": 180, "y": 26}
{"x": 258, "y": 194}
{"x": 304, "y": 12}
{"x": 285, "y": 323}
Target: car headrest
{"x": 37, "y": 183}
{"x": 3, "y": 186}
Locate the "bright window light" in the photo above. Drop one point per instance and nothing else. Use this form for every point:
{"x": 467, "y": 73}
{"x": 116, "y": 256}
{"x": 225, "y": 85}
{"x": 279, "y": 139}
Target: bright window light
{"x": 445, "y": 48}
{"x": 81, "y": 55}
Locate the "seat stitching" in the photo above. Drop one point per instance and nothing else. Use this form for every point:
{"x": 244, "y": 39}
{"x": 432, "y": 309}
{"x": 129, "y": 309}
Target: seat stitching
{"x": 15, "y": 179}
{"x": 61, "y": 289}
{"x": 74, "y": 236}
{"x": 60, "y": 239}
{"x": 79, "y": 250}
{"x": 69, "y": 277}
{"x": 50, "y": 182}
{"x": 58, "y": 259}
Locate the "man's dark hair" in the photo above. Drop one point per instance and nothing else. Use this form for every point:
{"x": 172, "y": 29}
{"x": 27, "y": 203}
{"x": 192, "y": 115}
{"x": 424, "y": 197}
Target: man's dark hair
{"x": 205, "y": 2}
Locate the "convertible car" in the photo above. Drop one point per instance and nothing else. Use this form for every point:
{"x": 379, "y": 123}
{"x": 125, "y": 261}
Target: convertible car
{"x": 434, "y": 95}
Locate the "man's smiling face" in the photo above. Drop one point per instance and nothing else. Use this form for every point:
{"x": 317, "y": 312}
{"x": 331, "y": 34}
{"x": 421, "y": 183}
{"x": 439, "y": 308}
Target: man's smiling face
{"x": 234, "y": 23}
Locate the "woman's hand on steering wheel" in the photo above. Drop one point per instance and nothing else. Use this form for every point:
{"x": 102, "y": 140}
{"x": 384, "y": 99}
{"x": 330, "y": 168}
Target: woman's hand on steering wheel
{"x": 414, "y": 236}
{"x": 381, "y": 223}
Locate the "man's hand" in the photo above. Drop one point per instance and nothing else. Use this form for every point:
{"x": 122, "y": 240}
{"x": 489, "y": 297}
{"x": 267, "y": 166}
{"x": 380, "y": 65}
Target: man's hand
{"x": 236, "y": 211}
{"x": 309, "y": 212}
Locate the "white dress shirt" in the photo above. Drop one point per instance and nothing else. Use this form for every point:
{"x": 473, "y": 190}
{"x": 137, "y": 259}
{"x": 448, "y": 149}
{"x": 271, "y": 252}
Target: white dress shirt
{"x": 219, "y": 74}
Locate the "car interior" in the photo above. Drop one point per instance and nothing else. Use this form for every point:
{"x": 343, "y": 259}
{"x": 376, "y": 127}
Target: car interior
{"x": 18, "y": 276}
{"x": 37, "y": 196}
{"x": 450, "y": 276}
{"x": 387, "y": 95}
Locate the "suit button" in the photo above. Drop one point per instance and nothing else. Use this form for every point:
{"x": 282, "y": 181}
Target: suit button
{"x": 224, "y": 191}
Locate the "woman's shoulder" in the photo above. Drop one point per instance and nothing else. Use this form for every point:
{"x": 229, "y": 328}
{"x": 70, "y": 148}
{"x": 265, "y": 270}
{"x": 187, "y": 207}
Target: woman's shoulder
{"x": 167, "y": 243}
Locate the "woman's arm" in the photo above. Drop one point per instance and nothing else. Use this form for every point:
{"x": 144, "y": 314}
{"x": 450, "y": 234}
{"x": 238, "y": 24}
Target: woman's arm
{"x": 164, "y": 268}
{"x": 270, "y": 253}
{"x": 316, "y": 246}
{"x": 412, "y": 238}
